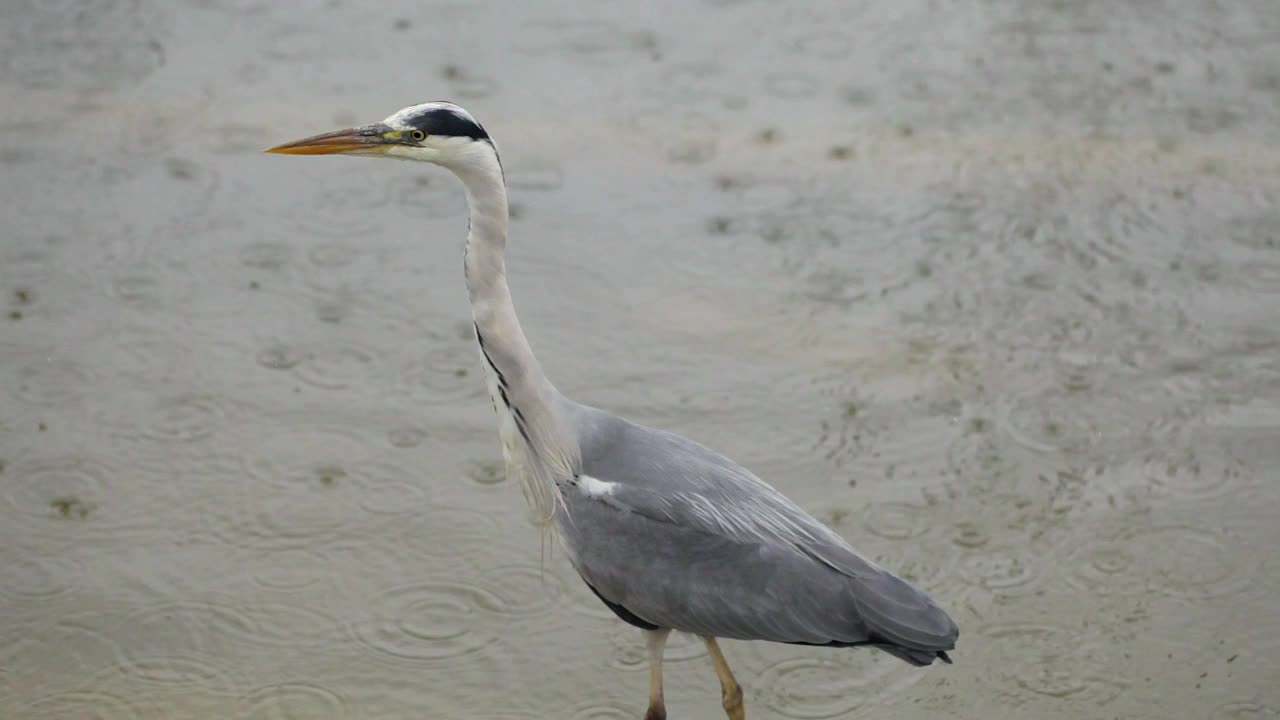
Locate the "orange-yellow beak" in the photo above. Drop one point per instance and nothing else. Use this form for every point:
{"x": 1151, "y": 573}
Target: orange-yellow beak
{"x": 367, "y": 140}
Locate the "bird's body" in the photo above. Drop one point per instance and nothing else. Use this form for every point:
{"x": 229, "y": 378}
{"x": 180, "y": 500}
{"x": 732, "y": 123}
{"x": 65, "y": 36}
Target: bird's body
{"x": 681, "y": 537}
{"x": 669, "y": 534}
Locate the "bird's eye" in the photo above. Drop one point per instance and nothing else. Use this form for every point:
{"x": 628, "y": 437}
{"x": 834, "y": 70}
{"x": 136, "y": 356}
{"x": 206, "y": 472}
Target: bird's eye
{"x": 418, "y": 135}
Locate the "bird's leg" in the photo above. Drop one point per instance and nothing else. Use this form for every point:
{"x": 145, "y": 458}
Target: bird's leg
{"x": 657, "y": 640}
{"x": 730, "y": 690}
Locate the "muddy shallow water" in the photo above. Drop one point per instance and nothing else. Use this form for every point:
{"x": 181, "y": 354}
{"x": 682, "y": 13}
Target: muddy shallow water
{"x": 992, "y": 288}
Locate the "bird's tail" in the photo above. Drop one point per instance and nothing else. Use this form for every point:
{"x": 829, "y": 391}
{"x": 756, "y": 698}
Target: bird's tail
{"x": 919, "y": 658}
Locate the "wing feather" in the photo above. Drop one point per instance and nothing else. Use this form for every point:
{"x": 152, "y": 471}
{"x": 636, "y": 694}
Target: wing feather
{"x": 716, "y": 506}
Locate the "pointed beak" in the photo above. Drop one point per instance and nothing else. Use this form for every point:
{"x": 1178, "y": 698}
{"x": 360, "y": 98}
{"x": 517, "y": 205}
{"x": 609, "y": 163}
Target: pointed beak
{"x": 367, "y": 140}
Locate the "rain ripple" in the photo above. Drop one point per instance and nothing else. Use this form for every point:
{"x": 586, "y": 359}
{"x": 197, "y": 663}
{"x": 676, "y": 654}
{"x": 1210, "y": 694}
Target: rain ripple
{"x": 294, "y": 700}
{"x": 1182, "y": 562}
{"x": 183, "y": 643}
{"x": 1008, "y": 570}
{"x": 51, "y": 380}
{"x": 1194, "y": 471}
{"x": 429, "y": 621}
{"x": 524, "y": 590}
{"x": 437, "y": 621}
{"x": 292, "y": 569}
{"x": 819, "y": 687}
{"x": 1033, "y": 660}
{"x": 310, "y": 483}
{"x": 178, "y": 671}
{"x": 897, "y": 520}
{"x": 1060, "y": 420}
{"x": 209, "y": 624}
{"x": 39, "y": 578}
{"x": 1245, "y": 710}
{"x": 330, "y": 366}
{"x": 443, "y": 372}
{"x": 72, "y": 500}
{"x": 80, "y": 705}
{"x": 71, "y": 648}
{"x": 603, "y": 712}
{"x": 184, "y": 418}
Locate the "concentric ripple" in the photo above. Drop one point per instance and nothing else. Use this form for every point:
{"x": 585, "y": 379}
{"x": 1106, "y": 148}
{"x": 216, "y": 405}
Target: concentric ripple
{"x": 980, "y": 462}
{"x": 184, "y": 644}
{"x": 820, "y": 687}
{"x": 336, "y": 366}
{"x": 280, "y": 626}
{"x": 1050, "y": 423}
{"x": 448, "y": 370}
{"x": 177, "y": 643}
{"x": 1194, "y": 471}
{"x": 45, "y": 654}
{"x": 80, "y": 705}
{"x": 1245, "y": 710}
{"x": 332, "y": 462}
{"x": 897, "y": 520}
{"x": 524, "y": 590}
{"x": 429, "y": 621}
{"x": 294, "y": 700}
{"x": 50, "y": 380}
{"x": 152, "y": 281}
{"x": 1182, "y": 562}
{"x": 306, "y": 483}
{"x": 178, "y": 671}
{"x": 65, "y": 500}
{"x": 1060, "y": 421}
{"x": 184, "y": 418}
{"x": 292, "y": 569}
{"x": 1031, "y": 660}
{"x": 603, "y": 712}
{"x": 39, "y": 578}
{"x": 1006, "y": 570}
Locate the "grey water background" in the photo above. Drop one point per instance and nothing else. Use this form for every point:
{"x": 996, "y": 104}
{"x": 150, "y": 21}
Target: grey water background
{"x": 992, "y": 288}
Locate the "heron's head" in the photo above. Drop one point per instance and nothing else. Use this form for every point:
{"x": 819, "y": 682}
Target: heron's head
{"x": 434, "y": 132}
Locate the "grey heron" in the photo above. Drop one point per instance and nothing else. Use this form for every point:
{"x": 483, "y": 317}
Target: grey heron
{"x": 669, "y": 534}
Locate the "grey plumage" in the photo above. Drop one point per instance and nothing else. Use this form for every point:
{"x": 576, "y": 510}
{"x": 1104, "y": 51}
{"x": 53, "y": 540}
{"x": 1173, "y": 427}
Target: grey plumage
{"x": 687, "y": 539}
{"x": 669, "y": 534}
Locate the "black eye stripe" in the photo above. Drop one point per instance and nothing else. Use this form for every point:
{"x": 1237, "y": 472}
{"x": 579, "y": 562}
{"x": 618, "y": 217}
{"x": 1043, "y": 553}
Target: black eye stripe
{"x": 445, "y": 122}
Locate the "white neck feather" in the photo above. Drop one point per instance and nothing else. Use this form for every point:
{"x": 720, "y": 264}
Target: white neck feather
{"x": 539, "y": 447}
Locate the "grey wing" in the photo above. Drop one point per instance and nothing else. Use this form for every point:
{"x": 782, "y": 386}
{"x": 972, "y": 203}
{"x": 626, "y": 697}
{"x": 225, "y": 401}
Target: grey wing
{"x": 679, "y": 536}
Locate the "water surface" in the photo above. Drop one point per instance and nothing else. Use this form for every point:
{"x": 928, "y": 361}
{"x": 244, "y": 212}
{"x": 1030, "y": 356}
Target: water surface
{"x": 992, "y": 288}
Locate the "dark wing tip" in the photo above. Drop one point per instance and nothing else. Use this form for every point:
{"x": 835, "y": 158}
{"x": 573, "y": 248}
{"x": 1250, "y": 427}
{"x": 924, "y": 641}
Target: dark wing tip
{"x": 944, "y": 657}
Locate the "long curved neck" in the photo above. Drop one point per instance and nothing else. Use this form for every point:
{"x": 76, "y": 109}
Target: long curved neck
{"x": 538, "y": 443}
{"x": 497, "y": 327}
